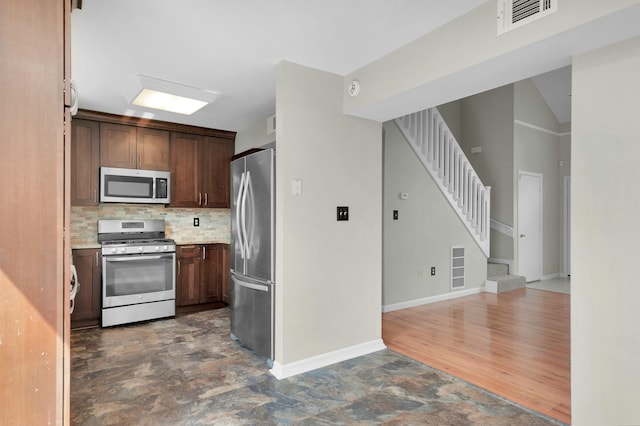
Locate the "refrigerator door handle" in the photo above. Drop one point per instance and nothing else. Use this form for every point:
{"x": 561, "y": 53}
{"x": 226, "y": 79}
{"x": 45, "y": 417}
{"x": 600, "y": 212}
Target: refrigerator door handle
{"x": 238, "y": 209}
{"x": 247, "y": 181}
{"x": 253, "y": 286}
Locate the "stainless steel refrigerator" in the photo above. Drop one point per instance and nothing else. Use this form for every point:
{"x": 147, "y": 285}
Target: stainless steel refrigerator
{"x": 253, "y": 251}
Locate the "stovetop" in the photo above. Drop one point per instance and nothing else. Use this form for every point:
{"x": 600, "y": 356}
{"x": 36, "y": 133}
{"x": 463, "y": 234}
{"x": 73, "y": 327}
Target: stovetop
{"x": 133, "y": 237}
{"x": 116, "y": 247}
{"x": 138, "y": 242}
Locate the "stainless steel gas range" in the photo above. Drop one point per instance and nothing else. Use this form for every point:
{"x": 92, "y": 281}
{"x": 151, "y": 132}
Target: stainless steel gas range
{"x": 138, "y": 271}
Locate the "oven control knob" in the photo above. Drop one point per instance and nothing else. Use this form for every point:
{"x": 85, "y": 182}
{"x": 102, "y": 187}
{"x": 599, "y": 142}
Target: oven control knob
{"x": 114, "y": 250}
{"x": 140, "y": 249}
{"x": 157, "y": 248}
{"x": 166, "y": 248}
{"x": 122, "y": 249}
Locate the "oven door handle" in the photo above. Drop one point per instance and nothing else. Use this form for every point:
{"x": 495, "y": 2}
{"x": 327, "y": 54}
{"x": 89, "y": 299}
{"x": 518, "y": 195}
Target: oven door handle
{"x": 132, "y": 258}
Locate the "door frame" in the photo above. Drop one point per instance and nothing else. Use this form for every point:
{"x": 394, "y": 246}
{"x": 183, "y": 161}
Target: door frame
{"x": 540, "y": 176}
{"x": 566, "y": 197}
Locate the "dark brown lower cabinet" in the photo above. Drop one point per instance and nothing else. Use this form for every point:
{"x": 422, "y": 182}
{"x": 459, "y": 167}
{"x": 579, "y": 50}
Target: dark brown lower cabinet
{"x": 226, "y": 274}
{"x": 201, "y": 275}
{"x": 86, "y": 311}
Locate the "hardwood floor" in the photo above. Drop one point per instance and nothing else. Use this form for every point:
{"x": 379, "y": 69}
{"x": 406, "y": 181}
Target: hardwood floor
{"x": 514, "y": 344}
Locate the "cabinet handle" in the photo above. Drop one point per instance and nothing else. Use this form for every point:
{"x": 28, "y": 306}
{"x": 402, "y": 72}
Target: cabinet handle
{"x": 178, "y": 267}
{"x": 133, "y": 158}
{"x": 139, "y": 160}
{"x": 95, "y": 196}
{"x": 199, "y": 198}
{"x": 97, "y": 259}
{"x": 204, "y": 253}
{"x": 206, "y": 198}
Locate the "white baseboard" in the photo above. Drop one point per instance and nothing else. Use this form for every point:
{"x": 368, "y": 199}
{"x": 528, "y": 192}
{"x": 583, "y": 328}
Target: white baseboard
{"x": 431, "y": 299}
{"x": 282, "y": 371}
{"x": 553, "y": 276}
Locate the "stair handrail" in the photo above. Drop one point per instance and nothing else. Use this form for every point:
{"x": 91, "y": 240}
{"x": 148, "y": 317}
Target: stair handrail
{"x": 441, "y": 154}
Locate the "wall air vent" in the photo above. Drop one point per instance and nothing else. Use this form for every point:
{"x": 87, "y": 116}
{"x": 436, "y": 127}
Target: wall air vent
{"x": 271, "y": 124}
{"x": 457, "y": 267}
{"x": 516, "y": 13}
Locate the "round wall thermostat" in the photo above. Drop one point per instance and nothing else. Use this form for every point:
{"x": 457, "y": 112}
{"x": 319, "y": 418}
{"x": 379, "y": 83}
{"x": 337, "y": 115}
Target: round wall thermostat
{"x": 354, "y": 88}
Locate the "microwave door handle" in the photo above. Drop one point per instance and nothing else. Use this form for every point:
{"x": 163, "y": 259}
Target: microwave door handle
{"x": 238, "y": 211}
{"x": 244, "y": 214}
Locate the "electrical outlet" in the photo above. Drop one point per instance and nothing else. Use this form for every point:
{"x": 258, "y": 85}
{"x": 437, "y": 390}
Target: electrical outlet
{"x": 433, "y": 270}
{"x": 343, "y": 213}
{"x": 196, "y": 221}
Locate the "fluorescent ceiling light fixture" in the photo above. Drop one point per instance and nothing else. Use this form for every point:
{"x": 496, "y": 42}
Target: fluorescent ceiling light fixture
{"x": 165, "y": 95}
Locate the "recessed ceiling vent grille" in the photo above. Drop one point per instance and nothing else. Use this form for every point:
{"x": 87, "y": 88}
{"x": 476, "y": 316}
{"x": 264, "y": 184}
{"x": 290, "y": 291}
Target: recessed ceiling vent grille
{"x": 516, "y": 13}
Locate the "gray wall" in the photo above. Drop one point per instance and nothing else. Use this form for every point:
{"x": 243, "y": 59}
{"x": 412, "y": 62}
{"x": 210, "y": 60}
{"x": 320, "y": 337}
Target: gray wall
{"x": 426, "y": 229}
{"x": 517, "y": 131}
{"x": 605, "y": 295}
{"x": 254, "y": 136}
{"x": 452, "y": 115}
{"x": 487, "y": 121}
{"x": 565, "y": 171}
{"x": 537, "y": 149}
{"x": 328, "y": 294}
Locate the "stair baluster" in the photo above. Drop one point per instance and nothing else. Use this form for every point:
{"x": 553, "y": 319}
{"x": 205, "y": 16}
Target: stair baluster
{"x": 439, "y": 151}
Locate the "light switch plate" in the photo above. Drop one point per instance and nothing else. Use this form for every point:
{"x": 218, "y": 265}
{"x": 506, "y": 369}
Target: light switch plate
{"x": 343, "y": 213}
{"x": 296, "y": 187}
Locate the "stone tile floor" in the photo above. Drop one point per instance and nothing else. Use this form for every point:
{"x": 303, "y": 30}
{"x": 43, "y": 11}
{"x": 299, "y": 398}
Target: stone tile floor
{"x": 187, "y": 371}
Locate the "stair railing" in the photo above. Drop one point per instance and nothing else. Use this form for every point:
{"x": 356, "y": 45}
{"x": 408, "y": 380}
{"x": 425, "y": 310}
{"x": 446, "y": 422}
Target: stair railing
{"x": 439, "y": 151}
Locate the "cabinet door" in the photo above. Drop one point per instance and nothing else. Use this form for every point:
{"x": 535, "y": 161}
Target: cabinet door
{"x": 85, "y": 162}
{"x": 188, "y": 275}
{"x": 185, "y": 170}
{"x": 117, "y": 145}
{"x": 226, "y": 274}
{"x": 87, "y": 302}
{"x": 152, "y": 149}
{"x": 211, "y": 273}
{"x": 216, "y": 161}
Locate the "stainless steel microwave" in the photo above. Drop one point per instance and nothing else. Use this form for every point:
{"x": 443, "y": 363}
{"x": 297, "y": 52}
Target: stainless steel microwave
{"x": 134, "y": 186}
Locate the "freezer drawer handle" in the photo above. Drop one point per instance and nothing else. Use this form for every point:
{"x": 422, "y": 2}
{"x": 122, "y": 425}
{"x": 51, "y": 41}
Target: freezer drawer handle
{"x": 254, "y": 286}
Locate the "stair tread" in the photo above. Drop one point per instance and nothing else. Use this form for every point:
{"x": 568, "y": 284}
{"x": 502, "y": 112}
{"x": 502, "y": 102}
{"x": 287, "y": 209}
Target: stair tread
{"x": 506, "y": 278}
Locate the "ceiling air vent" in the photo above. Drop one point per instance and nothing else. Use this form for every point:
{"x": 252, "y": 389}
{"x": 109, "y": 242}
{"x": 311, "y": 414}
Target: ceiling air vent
{"x": 516, "y": 13}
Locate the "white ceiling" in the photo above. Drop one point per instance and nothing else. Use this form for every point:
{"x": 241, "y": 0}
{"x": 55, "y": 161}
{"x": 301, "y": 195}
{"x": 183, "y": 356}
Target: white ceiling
{"x": 232, "y": 47}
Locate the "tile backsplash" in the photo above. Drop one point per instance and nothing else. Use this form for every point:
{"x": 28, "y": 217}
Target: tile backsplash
{"x": 214, "y": 223}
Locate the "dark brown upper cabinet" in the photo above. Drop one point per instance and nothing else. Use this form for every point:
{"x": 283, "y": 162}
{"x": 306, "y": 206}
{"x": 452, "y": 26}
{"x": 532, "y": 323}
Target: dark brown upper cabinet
{"x": 85, "y": 162}
{"x": 200, "y": 170}
{"x": 133, "y": 147}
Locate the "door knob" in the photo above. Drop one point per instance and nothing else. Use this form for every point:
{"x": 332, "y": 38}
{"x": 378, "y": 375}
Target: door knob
{"x": 521, "y": 235}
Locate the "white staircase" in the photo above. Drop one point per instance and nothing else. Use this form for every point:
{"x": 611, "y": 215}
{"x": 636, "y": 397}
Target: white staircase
{"x": 442, "y": 156}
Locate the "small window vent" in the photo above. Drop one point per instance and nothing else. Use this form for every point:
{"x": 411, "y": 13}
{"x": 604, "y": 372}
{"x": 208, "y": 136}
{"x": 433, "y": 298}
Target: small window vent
{"x": 457, "y": 267}
{"x": 516, "y": 13}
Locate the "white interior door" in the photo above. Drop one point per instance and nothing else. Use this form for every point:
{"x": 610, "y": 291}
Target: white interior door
{"x": 530, "y": 225}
